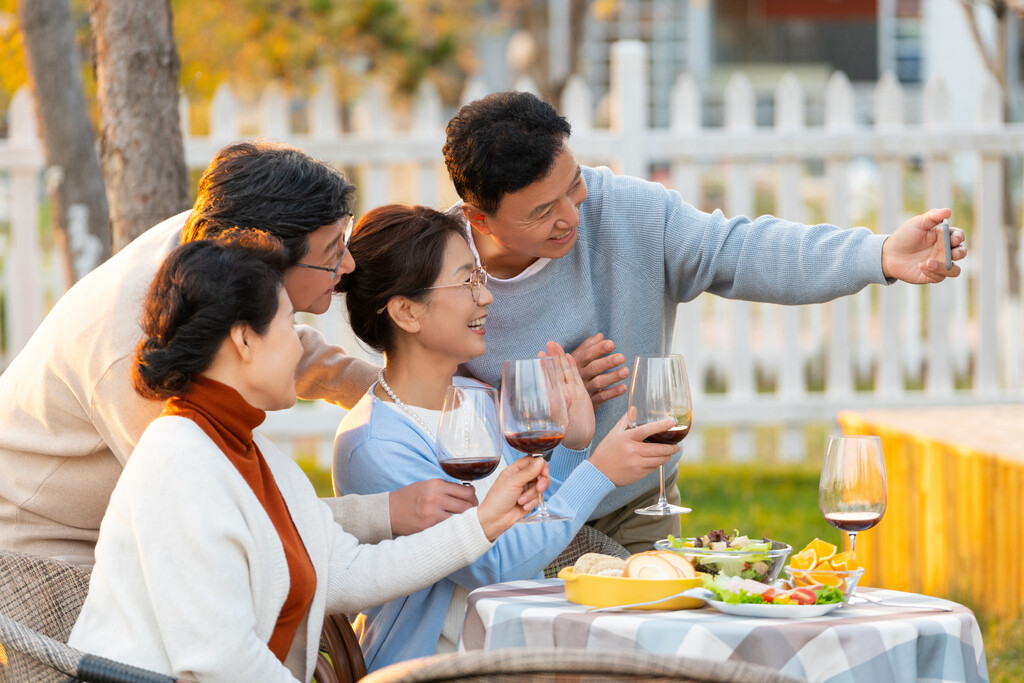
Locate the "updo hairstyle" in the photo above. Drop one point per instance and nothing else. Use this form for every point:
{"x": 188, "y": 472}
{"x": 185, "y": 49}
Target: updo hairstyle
{"x": 201, "y": 291}
{"x": 399, "y": 251}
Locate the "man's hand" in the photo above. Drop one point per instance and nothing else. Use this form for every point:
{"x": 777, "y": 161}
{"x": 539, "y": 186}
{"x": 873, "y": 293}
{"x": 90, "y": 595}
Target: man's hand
{"x": 423, "y": 504}
{"x": 580, "y": 430}
{"x": 915, "y": 254}
{"x": 602, "y": 371}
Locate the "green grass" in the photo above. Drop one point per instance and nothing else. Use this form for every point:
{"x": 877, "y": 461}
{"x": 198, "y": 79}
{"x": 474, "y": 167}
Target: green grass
{"x": 779, "y": 501}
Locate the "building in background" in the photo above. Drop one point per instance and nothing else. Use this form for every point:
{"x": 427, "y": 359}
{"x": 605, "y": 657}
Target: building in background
{"x": 711, "y": 39}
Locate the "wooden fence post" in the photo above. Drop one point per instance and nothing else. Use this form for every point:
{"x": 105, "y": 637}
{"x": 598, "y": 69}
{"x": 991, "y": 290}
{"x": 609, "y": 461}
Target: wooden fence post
{"x": 25, "y": 308}
{"x": 629, "y": 115}
{"x": 938, "y": 193}
{"x": 889, "y": 117}
{"x": 839, "y": 119}
{"x": 740, "y": 119}
{"x": 988, "y": 250}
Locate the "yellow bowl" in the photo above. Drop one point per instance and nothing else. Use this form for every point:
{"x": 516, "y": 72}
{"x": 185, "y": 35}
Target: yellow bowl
{"x": 608, "y": 591}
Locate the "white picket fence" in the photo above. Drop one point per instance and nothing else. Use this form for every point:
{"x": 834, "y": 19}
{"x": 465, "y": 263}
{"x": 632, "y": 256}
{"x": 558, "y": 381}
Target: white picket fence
{"x": 762, "y": 370}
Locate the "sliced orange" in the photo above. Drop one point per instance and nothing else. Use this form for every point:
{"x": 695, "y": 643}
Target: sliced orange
{"x": 844, "y": 561}
{"x": 822, "y": 549}
{"x": 825, "y": 578}
{"x": 805, "y": 559}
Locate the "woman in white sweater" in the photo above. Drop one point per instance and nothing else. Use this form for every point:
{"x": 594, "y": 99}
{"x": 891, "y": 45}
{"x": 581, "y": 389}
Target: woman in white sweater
{"x": 215, "y": 560}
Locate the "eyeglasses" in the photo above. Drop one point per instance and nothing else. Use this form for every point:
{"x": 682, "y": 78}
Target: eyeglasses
{"x": 346, "y": 235}
{"x": 477, "y": 281}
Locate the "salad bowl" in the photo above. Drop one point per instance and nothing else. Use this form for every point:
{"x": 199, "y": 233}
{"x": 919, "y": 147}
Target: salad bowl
{"x": 761, "y": 560}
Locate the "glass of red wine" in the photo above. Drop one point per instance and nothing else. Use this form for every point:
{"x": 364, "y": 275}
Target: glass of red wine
{"x": 469, "y": 434}
{"x": 852, "y": 491}
{"x": 534, "y": 416}
{"x": 660, "y": 389}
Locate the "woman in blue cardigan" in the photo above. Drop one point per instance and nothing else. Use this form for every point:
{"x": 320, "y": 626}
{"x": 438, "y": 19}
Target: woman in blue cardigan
{"x": 420, "y": 299}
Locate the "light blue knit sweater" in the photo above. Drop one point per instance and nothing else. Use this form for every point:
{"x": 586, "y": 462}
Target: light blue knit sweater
{"x": 379, "y": 449}
{"x": 640, "y": 251}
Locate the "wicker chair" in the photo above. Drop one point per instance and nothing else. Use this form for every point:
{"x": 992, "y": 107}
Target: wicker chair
{"x": 40, "y": 599}
{"x": 562, "y": 665}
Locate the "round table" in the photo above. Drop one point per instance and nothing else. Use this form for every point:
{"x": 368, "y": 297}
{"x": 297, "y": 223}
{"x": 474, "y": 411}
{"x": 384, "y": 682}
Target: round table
{"x": 859, "y": 642}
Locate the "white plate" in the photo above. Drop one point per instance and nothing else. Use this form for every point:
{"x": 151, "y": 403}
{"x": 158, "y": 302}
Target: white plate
{"x": 774, "y": 611}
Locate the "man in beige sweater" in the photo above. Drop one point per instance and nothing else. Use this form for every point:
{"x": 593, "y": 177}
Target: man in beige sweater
{"x": 69, "y": 418}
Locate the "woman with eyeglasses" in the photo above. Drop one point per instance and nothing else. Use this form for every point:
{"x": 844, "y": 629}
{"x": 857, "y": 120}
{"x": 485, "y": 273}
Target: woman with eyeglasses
{"x": 419, "y": 298}
{"x": 216, "y": 561}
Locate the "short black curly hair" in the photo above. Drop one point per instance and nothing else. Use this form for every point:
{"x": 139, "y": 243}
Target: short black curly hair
{"x": 202, "y": 290}
{"x": 500, "y": 144}
{"x": 269, "y": 186}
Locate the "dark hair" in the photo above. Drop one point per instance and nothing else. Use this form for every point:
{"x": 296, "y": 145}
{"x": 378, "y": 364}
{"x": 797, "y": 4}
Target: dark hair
{"x": 201, "y": 291}
{"x": 400, "y": 250}
{"x": 501, "y": 144}
{"x": 268, "y": 186}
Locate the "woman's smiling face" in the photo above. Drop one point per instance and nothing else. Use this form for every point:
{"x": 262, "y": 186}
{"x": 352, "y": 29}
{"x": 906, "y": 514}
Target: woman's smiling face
{"x": 453, "y": 322}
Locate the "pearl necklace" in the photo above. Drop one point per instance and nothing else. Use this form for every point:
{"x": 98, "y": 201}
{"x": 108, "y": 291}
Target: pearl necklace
{"x": 398, "y": 402}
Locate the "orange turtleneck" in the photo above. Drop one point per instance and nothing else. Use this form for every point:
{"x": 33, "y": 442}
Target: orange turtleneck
{"x": 228, "y": 420}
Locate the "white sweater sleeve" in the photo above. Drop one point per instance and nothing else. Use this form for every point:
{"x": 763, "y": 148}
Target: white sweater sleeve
{"x": 368, "y": 518}
{"x": 362, "y": 576}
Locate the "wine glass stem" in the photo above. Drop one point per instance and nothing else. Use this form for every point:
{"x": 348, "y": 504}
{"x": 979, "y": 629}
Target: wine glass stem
{"x": 542, "y": 508}
{"x": 853, "y": 538}
{"x": 662, "y": 500}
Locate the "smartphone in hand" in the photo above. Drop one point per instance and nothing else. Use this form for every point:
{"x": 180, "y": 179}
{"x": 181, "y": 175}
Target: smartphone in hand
{"x": 945, "y": 244}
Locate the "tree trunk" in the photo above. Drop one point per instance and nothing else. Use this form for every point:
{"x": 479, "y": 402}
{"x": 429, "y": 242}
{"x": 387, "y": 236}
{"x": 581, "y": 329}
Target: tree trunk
{"x": 137, "y": 74}
{"x": 55, "y": 73}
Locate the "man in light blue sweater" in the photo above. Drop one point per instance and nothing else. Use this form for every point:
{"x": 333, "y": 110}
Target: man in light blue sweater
{"x": 575, "y": 251}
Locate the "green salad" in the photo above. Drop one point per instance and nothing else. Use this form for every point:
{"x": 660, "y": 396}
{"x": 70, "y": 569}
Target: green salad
{"x": 728, "y": 555}
{"x": 736, "y": 591}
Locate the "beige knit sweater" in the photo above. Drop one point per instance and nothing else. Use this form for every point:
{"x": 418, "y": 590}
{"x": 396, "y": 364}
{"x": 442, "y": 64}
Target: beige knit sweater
{"x": 69, "y": 417}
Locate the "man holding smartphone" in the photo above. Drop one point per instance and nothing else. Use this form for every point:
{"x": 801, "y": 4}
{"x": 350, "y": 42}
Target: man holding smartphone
{"x": 598, "y": 263}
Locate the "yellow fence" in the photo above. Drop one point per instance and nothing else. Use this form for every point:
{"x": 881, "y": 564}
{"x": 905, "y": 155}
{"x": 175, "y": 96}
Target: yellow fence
{"x": 954, "y": 523}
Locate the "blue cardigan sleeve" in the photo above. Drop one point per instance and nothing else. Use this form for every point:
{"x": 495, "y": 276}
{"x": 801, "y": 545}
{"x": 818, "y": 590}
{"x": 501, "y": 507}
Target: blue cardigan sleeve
{"x": 375, "y": 464}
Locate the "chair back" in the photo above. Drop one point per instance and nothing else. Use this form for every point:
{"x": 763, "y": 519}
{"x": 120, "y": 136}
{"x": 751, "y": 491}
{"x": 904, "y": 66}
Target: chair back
{"x": 40, "y": 599}
{"x": 340, "y": 659}
{"x": 42, "y": 593}
{"x": 564, "y": 665}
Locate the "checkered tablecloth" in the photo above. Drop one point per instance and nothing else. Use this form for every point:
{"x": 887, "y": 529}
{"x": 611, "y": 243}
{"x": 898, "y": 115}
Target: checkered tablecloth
{"x": 861, "y": 642}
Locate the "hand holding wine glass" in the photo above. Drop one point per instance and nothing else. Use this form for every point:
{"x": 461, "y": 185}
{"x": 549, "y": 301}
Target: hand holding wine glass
{"x": 852, "y": 490}
{"x": 469, "y": 434}
{"x": 534, "y": 415}
{"x": 659, "y": 390}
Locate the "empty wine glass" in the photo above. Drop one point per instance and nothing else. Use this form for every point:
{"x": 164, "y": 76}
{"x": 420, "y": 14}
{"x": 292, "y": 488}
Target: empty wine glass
{"x": 660, "y": 389}
{"x": 852, "y": 491}
{"x": 469, "y": 434}
{"x": 534, "y": 416}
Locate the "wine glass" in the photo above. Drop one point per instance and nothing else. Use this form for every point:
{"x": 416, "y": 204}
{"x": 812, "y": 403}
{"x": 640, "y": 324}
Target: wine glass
{"x": 852, "y": 490}
{"x": 659, "y": 389}
{"x": 469, "y": 434}
{"x": 534, "y": 416}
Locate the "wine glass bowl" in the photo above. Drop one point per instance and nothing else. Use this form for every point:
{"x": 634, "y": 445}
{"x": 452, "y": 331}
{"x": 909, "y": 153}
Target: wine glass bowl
{"x": 469, "y": 433}
{"x": 534, "y": 416}
{"x": 852, "y": 491}
{"x": 658, "y": 390}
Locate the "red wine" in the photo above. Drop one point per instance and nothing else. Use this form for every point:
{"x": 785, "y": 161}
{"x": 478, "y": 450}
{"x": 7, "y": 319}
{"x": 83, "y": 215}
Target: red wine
{"x": 853, "y": 521}
{"x": 469, "y": 470}
{"x": 674, "y": 435}
{"x": 535, "y": 441}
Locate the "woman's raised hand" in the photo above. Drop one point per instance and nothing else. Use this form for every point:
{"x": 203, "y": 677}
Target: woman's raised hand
{"x": 624, "y": 458}
{"x": 514, "y": 493}
{"x": 580, "y": 430}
